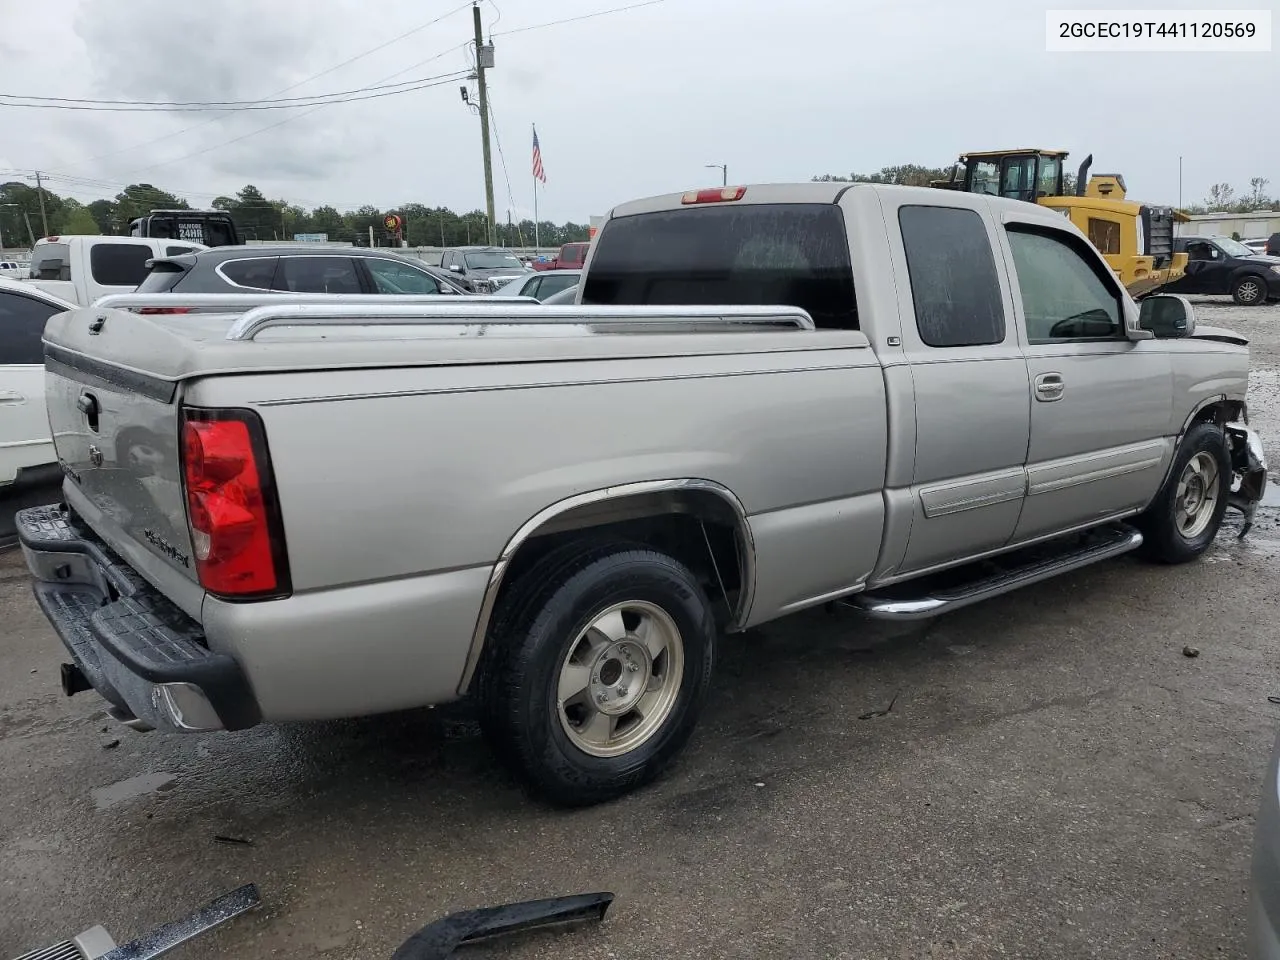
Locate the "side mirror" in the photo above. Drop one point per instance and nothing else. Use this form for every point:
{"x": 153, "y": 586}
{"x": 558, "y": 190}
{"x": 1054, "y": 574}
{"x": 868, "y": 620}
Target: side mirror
{"x": 1168, "y": 316}
{"x": 455, "y": 267}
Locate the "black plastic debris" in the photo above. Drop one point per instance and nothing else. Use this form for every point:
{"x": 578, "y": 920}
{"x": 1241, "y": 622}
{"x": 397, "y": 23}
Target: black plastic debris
{"x": 439, "y": 939}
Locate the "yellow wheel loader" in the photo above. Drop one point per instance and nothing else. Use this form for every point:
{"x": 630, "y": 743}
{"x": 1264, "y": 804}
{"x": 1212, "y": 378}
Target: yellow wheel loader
{"x": 1136, "y": 239}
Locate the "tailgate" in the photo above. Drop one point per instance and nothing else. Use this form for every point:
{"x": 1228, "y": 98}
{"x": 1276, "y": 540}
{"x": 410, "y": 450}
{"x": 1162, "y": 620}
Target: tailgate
{"x": 115, "y": 431}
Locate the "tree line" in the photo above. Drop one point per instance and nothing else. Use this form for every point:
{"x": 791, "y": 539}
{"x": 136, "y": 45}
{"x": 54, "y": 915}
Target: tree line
{"x": 259, "y": 218}
{"x": 1222, "y": 197}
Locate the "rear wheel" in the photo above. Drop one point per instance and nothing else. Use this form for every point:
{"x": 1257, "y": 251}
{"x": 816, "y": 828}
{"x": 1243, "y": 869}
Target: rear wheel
{"x": 1249, "y": 291}
{"x": 1187, "y": 512}
{"x": 600, "y": 661}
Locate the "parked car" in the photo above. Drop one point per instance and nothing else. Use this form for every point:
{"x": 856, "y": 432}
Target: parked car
{"x": 570, "y": 257}
{"x": 295, "y": 268}
{"x": 1220, "y": 265}
{"x": 540, "y": 286}
{"x": 1273, "y": 245}
{"x": 80, "y": 269}
{"x": 483, "y": 269}
{"x": 12, "y": 269}
{"x": 573, "y": 503}
{"x": 26, "y": 448}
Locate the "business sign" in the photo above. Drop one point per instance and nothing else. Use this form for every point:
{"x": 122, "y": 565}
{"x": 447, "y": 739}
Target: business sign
{"x": 311, "y": 238}
{"x": 392, "y": 222}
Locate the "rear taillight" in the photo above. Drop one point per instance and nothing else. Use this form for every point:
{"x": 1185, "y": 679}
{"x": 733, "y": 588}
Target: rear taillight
{"x": 714, "y": 195}
{"x": 236, "y": 532}
{"x": 165, "y": 309}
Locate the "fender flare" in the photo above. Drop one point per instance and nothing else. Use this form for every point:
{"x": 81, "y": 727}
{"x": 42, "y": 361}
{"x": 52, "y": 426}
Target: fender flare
{"x": 622, "y": 491}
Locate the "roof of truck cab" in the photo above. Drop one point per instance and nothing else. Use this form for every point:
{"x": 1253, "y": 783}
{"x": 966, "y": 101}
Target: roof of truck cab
{"x": 830, "y": 192}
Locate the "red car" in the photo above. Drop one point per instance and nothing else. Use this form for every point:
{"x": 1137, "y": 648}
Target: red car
{"x": 570, "y": 257}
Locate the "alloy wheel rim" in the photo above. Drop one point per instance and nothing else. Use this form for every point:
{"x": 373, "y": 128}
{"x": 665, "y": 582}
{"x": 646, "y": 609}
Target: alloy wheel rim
{"x": 1196, "y": 498}
{"x": 620, "y": 678}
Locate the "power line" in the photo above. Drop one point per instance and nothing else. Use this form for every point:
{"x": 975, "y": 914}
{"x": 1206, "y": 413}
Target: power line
{"x": 292, "y": 86}
{"x": 364, "y": 93}
{"x": 311, "y": 110}
{"x": 503, "y": 160}
{"x": 270, "y": 126}
{"x": 585, "y": 16}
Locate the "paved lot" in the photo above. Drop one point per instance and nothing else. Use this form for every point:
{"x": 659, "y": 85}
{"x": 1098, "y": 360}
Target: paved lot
{"x": 1055, "y": 780}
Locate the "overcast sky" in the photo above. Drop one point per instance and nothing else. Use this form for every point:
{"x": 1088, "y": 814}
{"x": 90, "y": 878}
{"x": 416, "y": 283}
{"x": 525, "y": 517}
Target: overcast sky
{"x": 627, "y": 105}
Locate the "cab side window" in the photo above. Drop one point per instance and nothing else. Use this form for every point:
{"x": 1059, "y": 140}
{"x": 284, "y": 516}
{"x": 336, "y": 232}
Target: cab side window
{"x": 1064, "y": 295}
{"x": 954, "y": 285}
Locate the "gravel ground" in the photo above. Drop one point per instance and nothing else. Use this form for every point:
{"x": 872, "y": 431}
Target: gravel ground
{"x": 1055, "y": 779}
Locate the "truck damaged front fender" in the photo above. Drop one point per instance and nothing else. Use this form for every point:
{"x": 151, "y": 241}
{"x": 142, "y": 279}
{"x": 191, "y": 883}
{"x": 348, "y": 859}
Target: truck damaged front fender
{"x": 1249, "y": 472}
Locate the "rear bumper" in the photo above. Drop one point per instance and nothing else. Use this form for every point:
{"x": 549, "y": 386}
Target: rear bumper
{"x": 139, "y": 651}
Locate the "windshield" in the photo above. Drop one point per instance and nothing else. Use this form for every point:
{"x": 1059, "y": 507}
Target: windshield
{"x": 1233, "y": 248}
{"x": 493, "y": 260}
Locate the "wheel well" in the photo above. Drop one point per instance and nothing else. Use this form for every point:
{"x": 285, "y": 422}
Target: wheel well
{"x": 698, "y": 528}
{"x": 1219, "y": 412}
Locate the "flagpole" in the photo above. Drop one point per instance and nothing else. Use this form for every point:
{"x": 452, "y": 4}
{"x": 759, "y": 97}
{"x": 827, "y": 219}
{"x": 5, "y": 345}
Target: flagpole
{"x": 536, "y": 242}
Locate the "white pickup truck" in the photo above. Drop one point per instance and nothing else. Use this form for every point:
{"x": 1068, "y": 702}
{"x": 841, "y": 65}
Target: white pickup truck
{"x": 81, "y": 269}
{"x": 302, "y": 511}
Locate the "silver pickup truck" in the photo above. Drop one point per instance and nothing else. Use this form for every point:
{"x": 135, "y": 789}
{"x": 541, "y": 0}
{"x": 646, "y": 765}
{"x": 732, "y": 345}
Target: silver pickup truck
{"x": 291, "y": 511}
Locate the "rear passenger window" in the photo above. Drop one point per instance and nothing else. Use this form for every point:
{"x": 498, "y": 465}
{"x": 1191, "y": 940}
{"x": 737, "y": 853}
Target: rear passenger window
{"x": 317, "y": 275}
{"x": 22, "y": 321}
{"x": 1064, "y": 297}
{"x": 119, "y": 264}
{"x": 786, "y": 254}
{"x": 257, "y": 274}
{"x": 953, "y": 277}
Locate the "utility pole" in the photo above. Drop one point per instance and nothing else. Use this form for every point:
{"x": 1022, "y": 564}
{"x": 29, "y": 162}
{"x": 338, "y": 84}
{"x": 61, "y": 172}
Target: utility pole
{"x": 44, "y": 219}
{"x": 30, "y": 233}
{"x": 483, "y": 53}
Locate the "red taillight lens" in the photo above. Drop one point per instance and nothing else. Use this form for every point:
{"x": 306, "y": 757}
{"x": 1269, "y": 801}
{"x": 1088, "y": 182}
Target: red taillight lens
{"x": 165, "y": 309}
{"x": 714, "y": 195}
{"x": 236, "y": 532}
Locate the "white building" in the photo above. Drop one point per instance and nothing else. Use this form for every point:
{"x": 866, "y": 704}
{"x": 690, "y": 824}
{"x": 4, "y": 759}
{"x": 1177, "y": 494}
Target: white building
{"x": 1250, "y": 226}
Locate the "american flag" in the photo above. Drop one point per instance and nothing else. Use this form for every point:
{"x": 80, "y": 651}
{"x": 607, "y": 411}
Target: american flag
{"x": 538, "y": 172}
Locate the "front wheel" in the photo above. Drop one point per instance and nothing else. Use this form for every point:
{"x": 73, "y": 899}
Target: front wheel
{"x": 602, "y": 659}
{"x": 1249, "y": 291}
{"x": 1187, "y": 512}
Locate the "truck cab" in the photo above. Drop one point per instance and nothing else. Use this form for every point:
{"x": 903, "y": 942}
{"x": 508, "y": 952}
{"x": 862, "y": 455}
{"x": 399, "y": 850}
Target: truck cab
{"x": 209, "y": 228}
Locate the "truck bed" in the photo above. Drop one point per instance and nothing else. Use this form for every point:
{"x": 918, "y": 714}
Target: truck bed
{"x": 406, "y": 455}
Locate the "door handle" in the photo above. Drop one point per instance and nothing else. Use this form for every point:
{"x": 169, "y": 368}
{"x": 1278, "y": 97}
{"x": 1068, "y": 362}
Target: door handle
{"x": 11, "y": 396}
{"x": 1049, "y": 387}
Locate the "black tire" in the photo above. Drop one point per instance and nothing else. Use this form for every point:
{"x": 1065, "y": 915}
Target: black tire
{"x": 1163, "y": 540}
{"x": 1249, "y": 290}
{"x": 533, "y": 631}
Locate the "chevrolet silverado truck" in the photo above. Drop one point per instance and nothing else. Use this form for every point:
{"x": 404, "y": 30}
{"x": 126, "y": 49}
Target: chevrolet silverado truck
{"x": 772, "y": 397}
